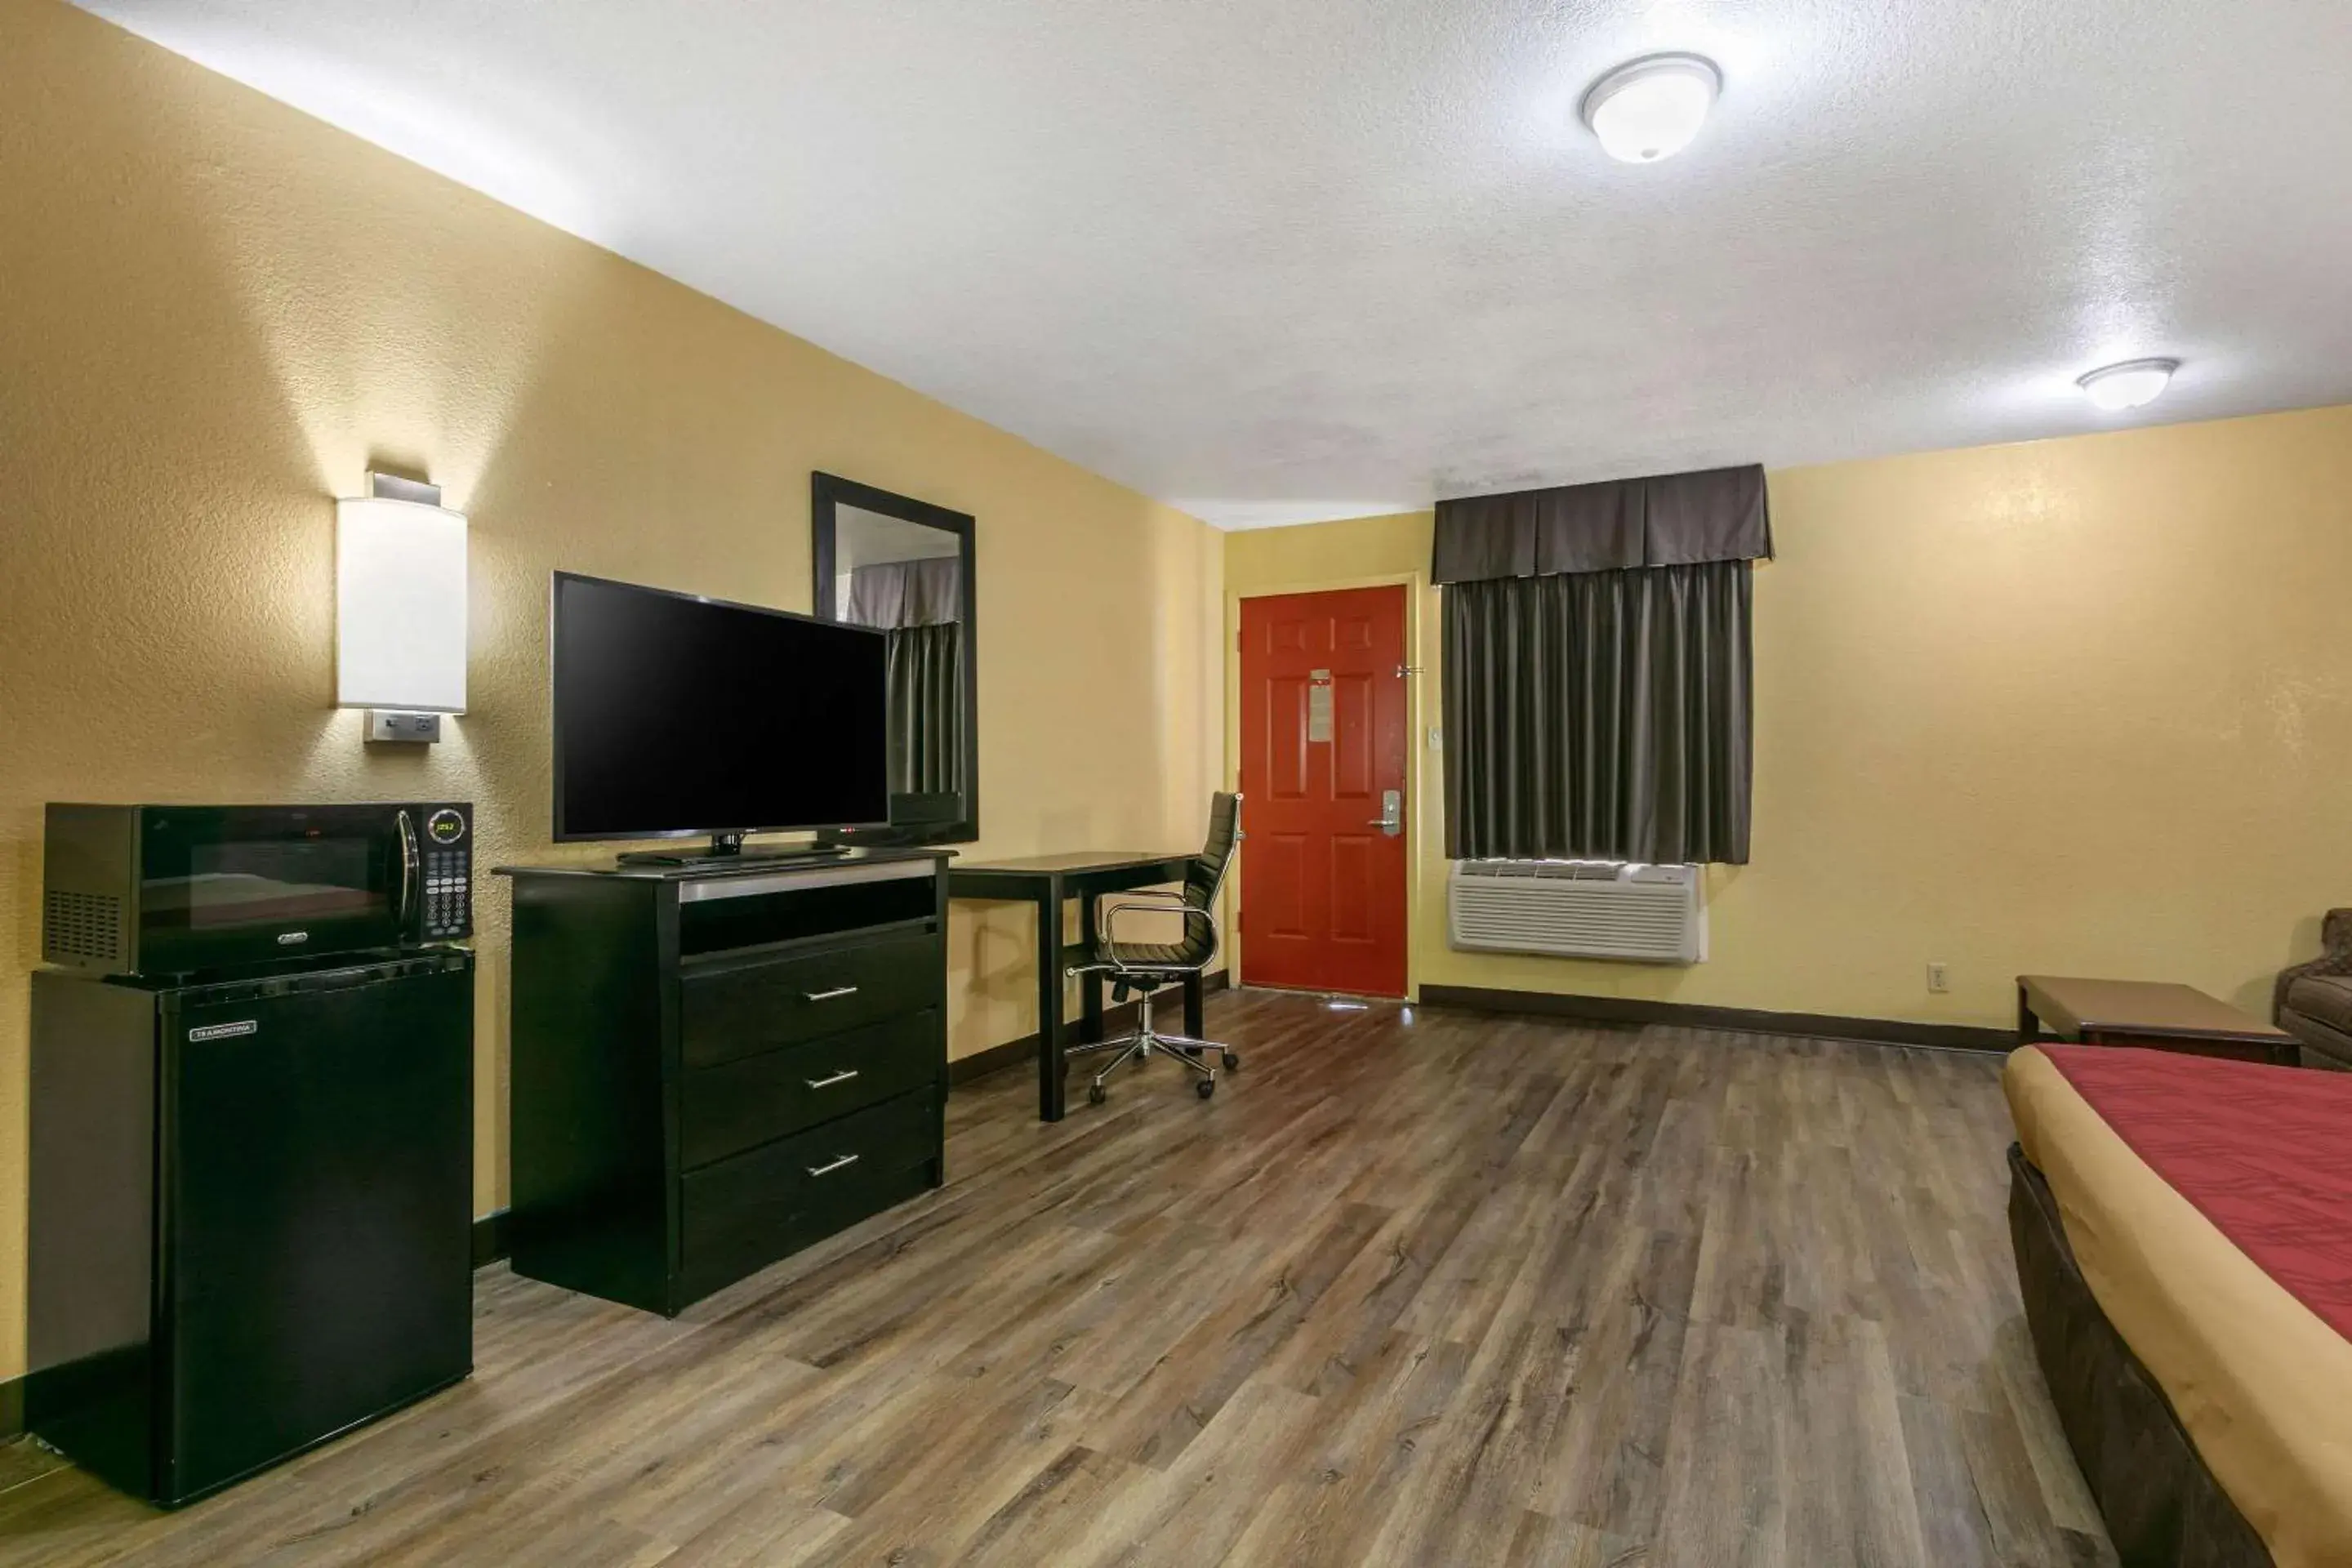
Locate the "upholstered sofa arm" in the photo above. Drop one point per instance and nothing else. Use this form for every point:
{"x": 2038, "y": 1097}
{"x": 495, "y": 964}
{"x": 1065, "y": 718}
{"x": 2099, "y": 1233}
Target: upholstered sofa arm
{"x": 2335, "y": 958}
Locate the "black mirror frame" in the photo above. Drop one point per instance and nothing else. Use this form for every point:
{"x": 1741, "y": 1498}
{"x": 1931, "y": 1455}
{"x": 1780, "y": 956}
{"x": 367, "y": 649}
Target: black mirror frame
{"x": 828, "y": 491}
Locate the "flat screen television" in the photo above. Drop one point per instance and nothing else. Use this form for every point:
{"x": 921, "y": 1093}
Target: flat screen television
{"x": 678, "y": 716}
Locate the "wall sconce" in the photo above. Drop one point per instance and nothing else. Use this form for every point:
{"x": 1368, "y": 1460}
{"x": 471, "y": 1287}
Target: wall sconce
{"x": 400, "y": 608}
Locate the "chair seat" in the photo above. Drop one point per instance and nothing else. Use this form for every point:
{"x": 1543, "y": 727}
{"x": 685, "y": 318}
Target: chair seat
{"x": 1172, "y": 956}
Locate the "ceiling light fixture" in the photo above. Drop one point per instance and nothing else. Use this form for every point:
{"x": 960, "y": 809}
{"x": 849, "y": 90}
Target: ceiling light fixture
{"x": 2131, "y": 384}
{"x": 1651, "y": 108}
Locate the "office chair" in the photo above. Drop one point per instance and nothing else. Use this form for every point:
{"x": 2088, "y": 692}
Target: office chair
{"x": 1140, "y": 967}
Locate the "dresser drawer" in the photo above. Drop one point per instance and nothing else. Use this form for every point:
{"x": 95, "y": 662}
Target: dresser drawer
{"x": 740, "y": 1008}
{"x": 743, "y": 1213}
{"x": 737, "y": 1105}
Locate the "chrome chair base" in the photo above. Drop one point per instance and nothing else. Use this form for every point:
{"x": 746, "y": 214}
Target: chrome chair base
{"x": 1140, "y": 1045}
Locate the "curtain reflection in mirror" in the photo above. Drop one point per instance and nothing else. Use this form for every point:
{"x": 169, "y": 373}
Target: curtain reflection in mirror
{"x": 917, "y": 603}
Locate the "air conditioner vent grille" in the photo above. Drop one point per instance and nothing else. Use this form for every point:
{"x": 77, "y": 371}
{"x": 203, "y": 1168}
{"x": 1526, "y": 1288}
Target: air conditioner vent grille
{"x": 87, "y": 926}
{"x": 1583, "y": 909}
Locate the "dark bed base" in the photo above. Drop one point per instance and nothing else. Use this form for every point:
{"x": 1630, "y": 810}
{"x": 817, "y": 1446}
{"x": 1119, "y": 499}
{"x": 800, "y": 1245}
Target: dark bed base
{"x": 2163, "y": 1506}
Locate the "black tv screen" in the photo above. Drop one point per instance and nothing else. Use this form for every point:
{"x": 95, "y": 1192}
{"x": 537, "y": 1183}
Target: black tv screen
{"x": 676, "y": 715}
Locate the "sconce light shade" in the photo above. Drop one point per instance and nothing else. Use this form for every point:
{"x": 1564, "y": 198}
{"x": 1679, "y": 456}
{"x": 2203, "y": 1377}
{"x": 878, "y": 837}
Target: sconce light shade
{"x": 400, "y": 605}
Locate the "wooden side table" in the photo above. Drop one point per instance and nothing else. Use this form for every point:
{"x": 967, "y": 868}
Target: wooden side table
{"x": 2156, "y": 1015}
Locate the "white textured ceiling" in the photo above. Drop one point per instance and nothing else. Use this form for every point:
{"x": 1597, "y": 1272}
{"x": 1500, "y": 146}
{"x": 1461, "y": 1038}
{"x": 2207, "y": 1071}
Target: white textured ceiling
{"x": 1279, "y": 259}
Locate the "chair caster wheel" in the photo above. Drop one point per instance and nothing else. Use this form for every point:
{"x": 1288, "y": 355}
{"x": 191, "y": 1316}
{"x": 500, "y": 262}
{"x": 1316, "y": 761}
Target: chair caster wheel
{"x": 1232, "y": 1061}
{"x": 1205, "y": 1087}
{"x": 1095, "y": 1095}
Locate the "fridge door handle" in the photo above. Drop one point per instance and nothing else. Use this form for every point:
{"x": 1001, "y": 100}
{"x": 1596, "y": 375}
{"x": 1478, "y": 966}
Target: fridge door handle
{"x": 408, "y": 869}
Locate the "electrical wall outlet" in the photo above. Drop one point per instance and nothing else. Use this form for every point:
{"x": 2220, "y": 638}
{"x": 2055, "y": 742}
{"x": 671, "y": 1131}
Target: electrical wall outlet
{"x": 1939, "y": 981}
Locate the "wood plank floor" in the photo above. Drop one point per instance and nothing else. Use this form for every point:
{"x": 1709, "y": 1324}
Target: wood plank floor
{"x": 1416, "y": 1289}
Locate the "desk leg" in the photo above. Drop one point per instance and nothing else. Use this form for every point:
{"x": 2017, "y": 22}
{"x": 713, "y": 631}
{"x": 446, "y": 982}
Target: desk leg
{"x": 1193, "y": 1025}
{"x": 2029, "y": 1027}
{"x": 1090, "y": 989}
{"x": 1050, "y": 1105}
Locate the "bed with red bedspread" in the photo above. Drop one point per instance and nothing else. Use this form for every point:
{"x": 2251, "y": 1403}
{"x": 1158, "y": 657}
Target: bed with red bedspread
{"x": 2184, "y": 1236}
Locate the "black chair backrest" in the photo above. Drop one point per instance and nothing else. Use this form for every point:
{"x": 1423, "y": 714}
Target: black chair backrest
{"x": 1207, "y": 873}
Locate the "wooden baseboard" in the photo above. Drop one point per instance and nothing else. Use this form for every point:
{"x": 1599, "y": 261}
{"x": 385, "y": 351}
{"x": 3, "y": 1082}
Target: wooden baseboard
{"x": 995, "y": 1058}
{"x": 490, "y": 1238}
{"x": 1013, "y": 1053}
{"x": 1745, "y": 1020}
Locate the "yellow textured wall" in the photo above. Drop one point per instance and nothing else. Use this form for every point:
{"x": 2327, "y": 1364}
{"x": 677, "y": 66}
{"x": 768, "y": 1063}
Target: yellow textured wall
{"x": 2079, "y": 706}
{"x": 215, "y": 314}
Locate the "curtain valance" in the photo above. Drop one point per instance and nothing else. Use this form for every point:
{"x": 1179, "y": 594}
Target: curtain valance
{"x": 1668, "y": 520}
{"x": 897, "y": 593}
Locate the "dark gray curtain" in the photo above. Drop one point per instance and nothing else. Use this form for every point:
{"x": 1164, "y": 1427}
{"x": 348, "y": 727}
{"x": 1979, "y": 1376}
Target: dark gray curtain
{"x": 1599, "y": 713}
{"x": 925, "y": 666}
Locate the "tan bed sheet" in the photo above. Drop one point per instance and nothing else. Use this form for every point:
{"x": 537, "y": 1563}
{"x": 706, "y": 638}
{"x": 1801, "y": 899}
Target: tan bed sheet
{"x": 2262, "y": 1384}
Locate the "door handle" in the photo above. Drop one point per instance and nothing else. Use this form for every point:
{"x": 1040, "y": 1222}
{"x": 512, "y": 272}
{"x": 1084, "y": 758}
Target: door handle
{"x": 826, "y": 1169}
{"x": 1391, "y": 820}
{"x": 833, "y": 995}
{"x": 408, "y": 869}
{"x": 844, "y": 1076}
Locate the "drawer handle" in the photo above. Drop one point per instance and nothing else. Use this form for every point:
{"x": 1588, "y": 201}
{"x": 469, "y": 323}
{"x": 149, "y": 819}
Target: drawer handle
{"x": 842, "y": 1163}
{"x": 844, "y": 1076}
{"x": 837, "y": 992}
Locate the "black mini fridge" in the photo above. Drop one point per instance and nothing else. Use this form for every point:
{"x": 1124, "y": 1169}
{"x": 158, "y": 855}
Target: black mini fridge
{"x": 251, "y": 1207}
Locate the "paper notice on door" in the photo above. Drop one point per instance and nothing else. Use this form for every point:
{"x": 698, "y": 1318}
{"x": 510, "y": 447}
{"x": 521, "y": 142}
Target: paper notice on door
{"x": 1319, "y": 705}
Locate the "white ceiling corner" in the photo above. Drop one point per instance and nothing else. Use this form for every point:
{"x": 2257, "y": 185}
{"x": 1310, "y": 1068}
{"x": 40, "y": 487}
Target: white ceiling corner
{"x": 1287, "y": 250}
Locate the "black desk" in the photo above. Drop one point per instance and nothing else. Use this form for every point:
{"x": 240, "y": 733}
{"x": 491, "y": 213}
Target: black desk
{"x": 1046, "y": 880}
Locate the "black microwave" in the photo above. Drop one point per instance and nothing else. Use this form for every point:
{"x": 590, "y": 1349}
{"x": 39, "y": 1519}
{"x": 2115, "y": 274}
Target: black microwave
{"x": 183, "y": 890}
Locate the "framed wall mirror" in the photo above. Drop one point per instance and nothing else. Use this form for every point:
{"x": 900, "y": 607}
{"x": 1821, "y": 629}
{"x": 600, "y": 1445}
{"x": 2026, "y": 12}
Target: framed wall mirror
{"x": 905, "y": 568}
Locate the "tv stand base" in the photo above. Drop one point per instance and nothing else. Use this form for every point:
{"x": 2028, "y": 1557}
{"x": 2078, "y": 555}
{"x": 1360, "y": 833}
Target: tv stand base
{"x": 727, "y": 854}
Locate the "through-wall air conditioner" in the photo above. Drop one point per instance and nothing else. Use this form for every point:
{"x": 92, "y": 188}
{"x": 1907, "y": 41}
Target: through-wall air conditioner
{"x": 1578, "y": 909}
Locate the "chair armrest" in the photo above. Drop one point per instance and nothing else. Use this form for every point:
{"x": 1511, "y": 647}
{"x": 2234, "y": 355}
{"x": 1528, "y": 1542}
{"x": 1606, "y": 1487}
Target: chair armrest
{"x": 1126, "y": 906}
{"x": 1165, "y": 900}
{"x": 2335, "y": 958}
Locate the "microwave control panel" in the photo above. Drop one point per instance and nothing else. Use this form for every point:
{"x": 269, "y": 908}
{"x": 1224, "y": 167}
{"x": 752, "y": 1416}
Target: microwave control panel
{"x": 448, "y": 875}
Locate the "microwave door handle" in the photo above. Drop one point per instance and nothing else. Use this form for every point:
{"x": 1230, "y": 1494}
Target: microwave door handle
{"x": 407, "y": 869}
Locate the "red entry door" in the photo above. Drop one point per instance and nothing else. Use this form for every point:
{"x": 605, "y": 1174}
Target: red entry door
{"x": 1323, "y": 755}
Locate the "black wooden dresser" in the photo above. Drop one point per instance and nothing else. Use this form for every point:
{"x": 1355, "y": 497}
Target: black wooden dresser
{"x": 712, "y": 1070}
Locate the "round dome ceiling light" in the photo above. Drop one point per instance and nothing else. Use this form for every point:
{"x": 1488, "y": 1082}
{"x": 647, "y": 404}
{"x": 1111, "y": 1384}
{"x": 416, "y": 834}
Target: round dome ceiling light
{"x": 1651, "y": 108}
{"x": 2134, "y": 384}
